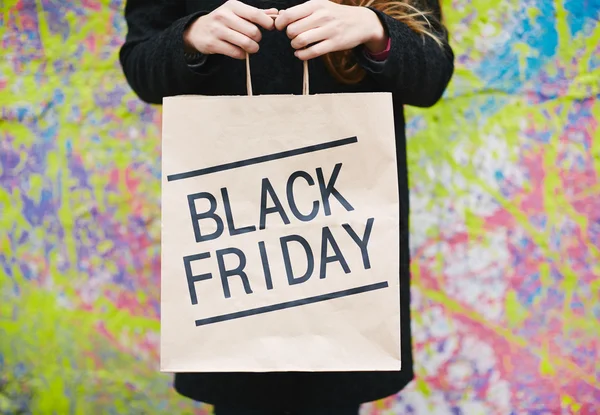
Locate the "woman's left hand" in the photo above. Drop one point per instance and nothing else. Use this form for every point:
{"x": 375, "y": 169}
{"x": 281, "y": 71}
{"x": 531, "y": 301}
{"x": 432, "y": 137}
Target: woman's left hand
{"x": 318, "y": 27}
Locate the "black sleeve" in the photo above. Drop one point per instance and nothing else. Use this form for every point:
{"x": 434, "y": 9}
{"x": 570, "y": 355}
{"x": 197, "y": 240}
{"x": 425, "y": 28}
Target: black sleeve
{"x": 417, "y": 69}
{"x": 152, "y": 56}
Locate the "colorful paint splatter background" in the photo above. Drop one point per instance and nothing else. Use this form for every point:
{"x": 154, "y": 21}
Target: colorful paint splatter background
{"x": 505, "y": 178}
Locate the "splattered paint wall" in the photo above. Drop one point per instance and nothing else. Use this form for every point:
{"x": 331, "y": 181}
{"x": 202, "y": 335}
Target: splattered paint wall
{"x": 505, "y": 178}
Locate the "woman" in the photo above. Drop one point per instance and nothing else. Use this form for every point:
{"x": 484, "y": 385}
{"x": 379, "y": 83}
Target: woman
{"x": 176, "y": 47}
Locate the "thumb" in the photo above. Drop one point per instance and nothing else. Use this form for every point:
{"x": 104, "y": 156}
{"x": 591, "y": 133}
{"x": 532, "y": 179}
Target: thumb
{"x": 279, "y": 24}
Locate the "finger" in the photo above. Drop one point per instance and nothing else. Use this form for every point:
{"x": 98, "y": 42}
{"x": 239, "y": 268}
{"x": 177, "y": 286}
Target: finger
{"x": 273, "y": 12}
{"x": 223, "y": 48}
{"x": 240, "y": 40}
{"x": 244, "y": 27}
{"x": 252, "y": 14}
{"x": 302, "y": 25}
{"x": 315, "y": 51}
{"x": 289, "y": 16}
{"x": 309, "y": 37}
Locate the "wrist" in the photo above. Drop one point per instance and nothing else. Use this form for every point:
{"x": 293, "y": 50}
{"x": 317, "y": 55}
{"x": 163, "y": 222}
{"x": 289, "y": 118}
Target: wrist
{"x": 188, "y": 46}
{"x": 377, "y": 39}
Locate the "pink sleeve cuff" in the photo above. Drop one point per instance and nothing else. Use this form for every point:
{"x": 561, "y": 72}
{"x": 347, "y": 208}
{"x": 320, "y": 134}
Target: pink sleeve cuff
{"x": 381, "y": 56}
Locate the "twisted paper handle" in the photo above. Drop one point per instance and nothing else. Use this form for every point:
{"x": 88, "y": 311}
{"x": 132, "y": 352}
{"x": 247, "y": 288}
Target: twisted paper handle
{"x": 305, "y": 85}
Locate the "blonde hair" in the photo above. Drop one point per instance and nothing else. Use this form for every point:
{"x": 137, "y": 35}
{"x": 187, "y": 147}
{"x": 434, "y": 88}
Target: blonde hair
{"x": 347, "y": 70}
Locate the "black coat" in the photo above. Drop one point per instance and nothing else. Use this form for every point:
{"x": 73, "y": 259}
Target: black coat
{"x": 416, "y": 72}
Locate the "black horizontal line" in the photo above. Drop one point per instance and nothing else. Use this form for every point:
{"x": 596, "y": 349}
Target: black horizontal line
{"x": 291, "y": 304}
{"x": 262, "y": 159}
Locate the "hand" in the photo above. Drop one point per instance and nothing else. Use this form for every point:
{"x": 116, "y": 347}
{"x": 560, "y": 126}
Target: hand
{"x": 230, "y": 30}
{"x": 318, "y": 27}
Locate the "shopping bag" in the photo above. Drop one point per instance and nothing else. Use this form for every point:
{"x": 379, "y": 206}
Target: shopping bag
{"x": 280, "y": 233}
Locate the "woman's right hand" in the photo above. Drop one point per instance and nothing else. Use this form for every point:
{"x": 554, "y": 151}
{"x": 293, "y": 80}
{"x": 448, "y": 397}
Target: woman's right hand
{"x": 230, "y": 30}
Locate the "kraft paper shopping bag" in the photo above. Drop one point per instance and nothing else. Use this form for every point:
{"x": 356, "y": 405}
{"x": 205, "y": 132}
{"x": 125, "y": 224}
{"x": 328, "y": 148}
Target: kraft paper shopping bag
{"x": 280, "y": 233}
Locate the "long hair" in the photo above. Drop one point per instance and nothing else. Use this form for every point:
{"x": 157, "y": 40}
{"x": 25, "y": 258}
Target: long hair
{"x": 342, "y": 65}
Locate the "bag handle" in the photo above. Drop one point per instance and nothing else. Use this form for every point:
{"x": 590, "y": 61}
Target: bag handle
{"x": 305, "y": 85}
